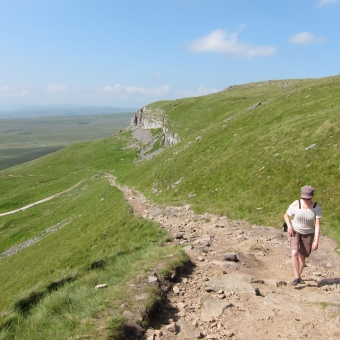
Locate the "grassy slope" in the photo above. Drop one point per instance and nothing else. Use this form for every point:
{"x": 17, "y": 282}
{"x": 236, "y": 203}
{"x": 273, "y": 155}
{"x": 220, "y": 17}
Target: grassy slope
{"x": 247, "y": 164}
{"x": 251, "y": 164}
{"x": 50, "y": 285}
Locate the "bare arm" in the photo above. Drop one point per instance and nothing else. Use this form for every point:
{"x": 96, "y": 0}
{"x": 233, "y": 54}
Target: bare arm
{"x": 291, "y": 231}
{"x": 316, "y": 235}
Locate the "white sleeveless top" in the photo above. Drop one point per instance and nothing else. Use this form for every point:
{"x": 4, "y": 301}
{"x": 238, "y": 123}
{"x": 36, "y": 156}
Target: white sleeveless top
{"x": 304, "y": 220}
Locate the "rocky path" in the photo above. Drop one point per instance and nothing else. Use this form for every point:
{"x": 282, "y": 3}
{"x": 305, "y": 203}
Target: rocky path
{"x": 239, "y": 285}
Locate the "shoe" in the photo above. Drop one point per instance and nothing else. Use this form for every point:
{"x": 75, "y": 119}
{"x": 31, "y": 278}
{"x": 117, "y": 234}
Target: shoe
{"x": 302, "y": 282}
{"x": 295, "y": 282}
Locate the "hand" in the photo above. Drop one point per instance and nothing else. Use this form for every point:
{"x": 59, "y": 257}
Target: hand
{"x": 315, "y": 245}
{"x": 291, "y": 232}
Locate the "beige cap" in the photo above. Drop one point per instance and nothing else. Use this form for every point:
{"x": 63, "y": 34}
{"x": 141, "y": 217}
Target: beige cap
{"x": 307, "y": 192}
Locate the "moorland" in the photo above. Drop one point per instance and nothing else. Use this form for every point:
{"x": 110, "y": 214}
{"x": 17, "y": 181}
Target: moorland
{"x": 243, "y": 153}
{"x": 25, "y": 139}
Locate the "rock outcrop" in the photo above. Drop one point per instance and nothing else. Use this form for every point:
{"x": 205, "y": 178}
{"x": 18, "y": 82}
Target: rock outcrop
{"x": 154, "y": 118}
{"x": 149, "y": 118}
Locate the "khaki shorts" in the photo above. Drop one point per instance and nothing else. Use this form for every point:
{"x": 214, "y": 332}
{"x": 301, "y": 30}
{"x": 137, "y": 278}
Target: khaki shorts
{"x": 302, "y": 243}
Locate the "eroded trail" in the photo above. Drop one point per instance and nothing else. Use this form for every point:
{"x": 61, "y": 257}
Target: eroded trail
{"x": 246, "y": 299}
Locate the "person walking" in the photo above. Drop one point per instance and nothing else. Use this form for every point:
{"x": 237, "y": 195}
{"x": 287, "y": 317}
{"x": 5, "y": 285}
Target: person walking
{"x": 303, "y": 230}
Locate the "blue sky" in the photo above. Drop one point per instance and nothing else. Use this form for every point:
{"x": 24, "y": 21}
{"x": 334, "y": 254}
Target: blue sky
{"x": 128, "y": 53}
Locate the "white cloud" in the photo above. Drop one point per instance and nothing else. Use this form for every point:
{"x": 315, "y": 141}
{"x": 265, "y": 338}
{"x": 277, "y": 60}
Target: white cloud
{"x": 23, "y": 93}
{"x": 201, "y": 91}
{"x": 136, "y": 90}
{"x": 109, "y": 88}
{"x": 306, "y": 38}
{"x": 158, "y": 75}
{"x": 53, "y": 88}
{"x": 4, "y": 89}
{"x": 155, "y": 91}
{"x": 326, "y": 2}
{"x": 222, "y": 42}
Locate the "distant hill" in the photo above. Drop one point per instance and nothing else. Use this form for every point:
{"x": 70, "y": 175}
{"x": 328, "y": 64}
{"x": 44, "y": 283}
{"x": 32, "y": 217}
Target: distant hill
{"x": 60, "y": 110}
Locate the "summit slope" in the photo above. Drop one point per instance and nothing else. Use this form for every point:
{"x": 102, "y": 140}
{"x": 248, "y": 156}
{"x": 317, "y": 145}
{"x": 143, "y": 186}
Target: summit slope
{"x": 246, "y": 151}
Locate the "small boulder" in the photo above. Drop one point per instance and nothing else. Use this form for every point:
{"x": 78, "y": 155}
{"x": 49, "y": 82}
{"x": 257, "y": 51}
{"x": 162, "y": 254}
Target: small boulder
{"x": 176, "y": 290}
{"x": 104, "y": 285}
{"x": 172, "y": 327}
{"x": 231, "y": 257}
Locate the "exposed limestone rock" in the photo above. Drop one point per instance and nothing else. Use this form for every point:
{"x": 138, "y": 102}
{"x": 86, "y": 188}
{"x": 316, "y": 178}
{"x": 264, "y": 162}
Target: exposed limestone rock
{"x": 322, "y": 298}
{"x": 205, "y": 240}
{"x": 285, "y": 302}
{"x": 188, "y": 330}
{"x": 236, "y": 283}
{"x": 214, "y": 307}
{"x": 176, "y": 290}
{"x": 152, "y": 279}
{"x": 104, "y": 285}
{"x": 310, "y": 147}
{"x": 224, "y": 264}
{"x": 173, "y": 328}
{"x": 254, "y": 106}
{"x": 154, "y": 118}
{"x": 148, "y": 118}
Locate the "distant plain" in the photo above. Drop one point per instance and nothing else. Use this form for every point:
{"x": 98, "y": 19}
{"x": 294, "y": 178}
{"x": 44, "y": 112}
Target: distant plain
{"x": 25, "y": 139}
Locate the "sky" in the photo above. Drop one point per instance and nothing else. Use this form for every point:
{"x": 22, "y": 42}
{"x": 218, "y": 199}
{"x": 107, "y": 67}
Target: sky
{"x": 129, "y": 53}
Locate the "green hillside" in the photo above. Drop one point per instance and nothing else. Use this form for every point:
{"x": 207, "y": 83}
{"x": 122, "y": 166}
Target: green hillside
{"x": 246, "y": 164}
{"x": 250, "y": 164}
{"x": 84, "y": 237}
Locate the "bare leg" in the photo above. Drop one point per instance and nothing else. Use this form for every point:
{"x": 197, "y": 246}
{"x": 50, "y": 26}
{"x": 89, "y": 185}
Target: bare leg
{"x": 296, "y": 263}
{"x": 302, "y": 261}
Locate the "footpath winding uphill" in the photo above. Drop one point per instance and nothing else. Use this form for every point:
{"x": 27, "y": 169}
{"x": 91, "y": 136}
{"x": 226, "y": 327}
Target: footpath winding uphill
{"x": 238, "y": 287}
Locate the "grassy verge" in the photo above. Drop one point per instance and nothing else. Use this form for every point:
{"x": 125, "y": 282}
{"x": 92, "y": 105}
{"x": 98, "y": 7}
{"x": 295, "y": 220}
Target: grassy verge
{"x": 86, "y": 237}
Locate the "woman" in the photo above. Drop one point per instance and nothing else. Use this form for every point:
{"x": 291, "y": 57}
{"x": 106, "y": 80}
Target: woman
{"x": 303, "y": 229}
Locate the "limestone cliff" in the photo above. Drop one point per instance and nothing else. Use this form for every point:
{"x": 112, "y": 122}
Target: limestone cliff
{"x": 154, "y": 118}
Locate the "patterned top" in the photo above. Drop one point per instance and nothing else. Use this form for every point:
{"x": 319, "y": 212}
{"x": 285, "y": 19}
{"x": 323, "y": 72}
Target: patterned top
{"x": 303, "y": 221}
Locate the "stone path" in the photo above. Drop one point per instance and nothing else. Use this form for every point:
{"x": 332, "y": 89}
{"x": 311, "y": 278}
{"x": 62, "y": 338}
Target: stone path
{"x": 246, "y": 299}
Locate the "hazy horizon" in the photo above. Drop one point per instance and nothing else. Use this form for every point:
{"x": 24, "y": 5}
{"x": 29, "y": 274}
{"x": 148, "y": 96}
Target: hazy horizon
{"x": 35, "y": 111}
{"x": 130, "y": 53}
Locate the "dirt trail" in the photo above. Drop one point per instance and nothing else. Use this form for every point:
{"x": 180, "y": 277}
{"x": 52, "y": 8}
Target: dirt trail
{"x": 41, "y": 201}
{"x": 247, "y": 299}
